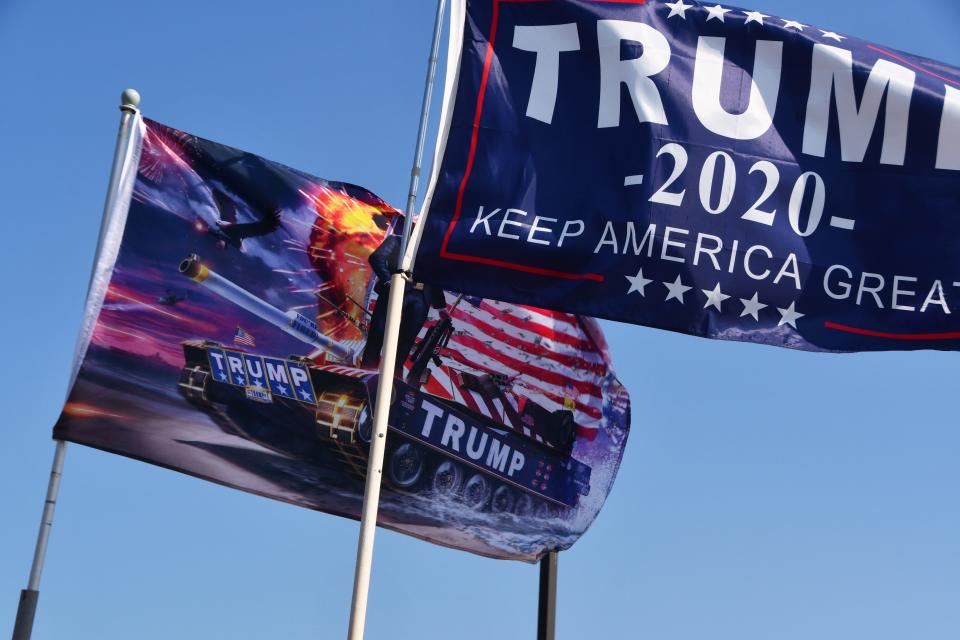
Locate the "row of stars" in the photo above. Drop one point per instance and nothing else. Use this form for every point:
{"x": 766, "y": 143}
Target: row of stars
{"x": 717, "y": 12}
{"x": 715, "y": 297}
{"x": 258, "y": 383}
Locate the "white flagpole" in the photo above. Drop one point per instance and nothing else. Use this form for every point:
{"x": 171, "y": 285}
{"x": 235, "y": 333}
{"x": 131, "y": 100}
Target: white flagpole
{"x": 371, "y": 496}
{"x": 27, "y": 609}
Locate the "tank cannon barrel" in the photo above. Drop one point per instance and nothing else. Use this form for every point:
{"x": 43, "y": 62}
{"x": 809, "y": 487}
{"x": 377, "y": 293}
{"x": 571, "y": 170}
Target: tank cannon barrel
{"x": 291, "y": 322}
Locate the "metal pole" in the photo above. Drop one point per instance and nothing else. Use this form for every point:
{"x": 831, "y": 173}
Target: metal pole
{"x": 547, "y": 609}
{"x": 27, "y": 609}
{"x": 421, "y": 133}
{"x": 371, "y": 496}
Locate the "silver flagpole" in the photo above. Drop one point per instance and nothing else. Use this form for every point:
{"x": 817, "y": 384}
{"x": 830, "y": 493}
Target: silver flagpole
{"x": 371, "y": 496}
{"x": 27, "y": 609}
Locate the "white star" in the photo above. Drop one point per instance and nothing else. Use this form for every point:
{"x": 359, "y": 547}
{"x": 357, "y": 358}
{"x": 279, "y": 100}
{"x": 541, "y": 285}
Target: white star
{"x": 676, "y": 289}
{"x": 305, "y": 394}
{"x": 239, "y": 380}
{"x": 638, "y": 283}
{"x": 715, "y": 297}
{"x": 716, "y": 12}
{"x": 752, "y": 307}
{"x": 831, "y": 34}
{"x": 678, "y": 8}
{"x": 258, "y": 383}
{"x": 282, "y": 390}
{"x": 788, "y": 24}
{"x": 755, "y": 16}
{"x": 222, "y": 376}
{"x": 789, "y": 316}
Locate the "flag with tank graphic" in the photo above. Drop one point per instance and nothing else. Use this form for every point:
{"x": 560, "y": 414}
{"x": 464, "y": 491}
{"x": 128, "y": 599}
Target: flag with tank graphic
{"x": 699, "y": 168}
{"x": 235, "y": 326}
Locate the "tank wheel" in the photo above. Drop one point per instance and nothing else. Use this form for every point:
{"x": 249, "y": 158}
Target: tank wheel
{"x": 476, "y": 492}
{"x": 447, "y": 478}
{"x": 364, "y": 424}
{"x": 406, "y": 466}
{"x": 523, "y": 506}
{"x": 503, "y": 499}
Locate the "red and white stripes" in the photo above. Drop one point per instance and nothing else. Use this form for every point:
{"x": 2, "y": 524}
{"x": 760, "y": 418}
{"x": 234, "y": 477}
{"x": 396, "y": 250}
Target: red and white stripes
{"x": 548, "y": 357}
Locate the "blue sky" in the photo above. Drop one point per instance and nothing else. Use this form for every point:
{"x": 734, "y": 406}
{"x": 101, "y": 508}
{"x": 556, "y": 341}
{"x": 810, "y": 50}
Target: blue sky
{"x": 764, "y": 493}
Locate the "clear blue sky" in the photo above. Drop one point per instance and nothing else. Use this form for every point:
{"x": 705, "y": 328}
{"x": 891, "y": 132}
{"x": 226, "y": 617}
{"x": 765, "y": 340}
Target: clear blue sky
{"x": 765, "y": 494}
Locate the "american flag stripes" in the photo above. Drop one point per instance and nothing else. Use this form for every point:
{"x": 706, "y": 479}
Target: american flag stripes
{"x": 241, "y": 337}
{"x": 548, "y": 357}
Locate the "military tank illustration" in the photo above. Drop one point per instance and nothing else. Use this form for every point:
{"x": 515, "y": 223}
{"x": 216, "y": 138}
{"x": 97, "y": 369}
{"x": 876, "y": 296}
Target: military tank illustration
{"x": 320, "y": 407}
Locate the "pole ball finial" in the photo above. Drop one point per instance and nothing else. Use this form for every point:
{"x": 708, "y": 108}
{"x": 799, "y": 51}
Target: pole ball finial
{"x": 129, "y": 100}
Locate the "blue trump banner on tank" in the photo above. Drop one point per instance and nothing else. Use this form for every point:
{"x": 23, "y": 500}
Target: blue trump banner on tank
{"x": 233, "y": 332}
{"x": 703, "y": 169}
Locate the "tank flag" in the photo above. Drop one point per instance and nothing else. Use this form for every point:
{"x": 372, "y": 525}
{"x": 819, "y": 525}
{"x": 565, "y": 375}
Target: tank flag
{"x": 243, "y": 338}
{"x": 238, "y": 340}
{"x": 702, "y": 169}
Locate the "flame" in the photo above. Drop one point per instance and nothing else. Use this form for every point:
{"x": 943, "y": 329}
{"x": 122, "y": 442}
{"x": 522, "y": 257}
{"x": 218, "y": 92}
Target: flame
{"x": 81, "y": 410}
{"x": 342, "y": 239}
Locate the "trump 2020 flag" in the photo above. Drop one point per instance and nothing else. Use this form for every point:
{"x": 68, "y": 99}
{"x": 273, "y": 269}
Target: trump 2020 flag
{"x": 233, "y": 333}
{"x": 699, "y": 168}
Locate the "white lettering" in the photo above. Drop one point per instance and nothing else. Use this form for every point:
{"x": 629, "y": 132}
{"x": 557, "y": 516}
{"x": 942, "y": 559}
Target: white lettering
{"x": 236, "y": 364}
{"x": 433, "y": 412}
{"x": 250, "y": 368}
{"x": 548, "y": 42}
{"x": 516, "y": 463}
{"x": 833, "y": 76}
{"x": 897, "y": 292}
{"x": 733, "y": 256}
{"x": 277, "y": 373}
{"x": 452, "y": 432}
{"x": 218, "y": 357}
{"x": 871, "y": 290}
{"x": 746, "y": 262}
{"x": 484, "y": 220}
{"x": 566, "y": 233}
{"x": 939, "y": 300}
{"x": 299, "y": 376}
{"x": 536, "y": 228}
{"x": 793, "y": 273}
{"x": 635, "y": 73}
{"x": 845, "y": 287}
{"x": 631, "y": 239}
{"x": 513, "y": 223}
{"x": 757, "y": 118}
{"x": 717, "y": 246}
{"x": 667, "y": 243}
{"x": 948, "y": 149}
{"x": 609, "y": 237}
{"x": 476, "y": 451}
{"x": 497, "y": 456}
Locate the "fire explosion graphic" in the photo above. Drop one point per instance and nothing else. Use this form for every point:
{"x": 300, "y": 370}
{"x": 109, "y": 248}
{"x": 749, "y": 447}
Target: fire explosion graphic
{"x": 343, "y": 236}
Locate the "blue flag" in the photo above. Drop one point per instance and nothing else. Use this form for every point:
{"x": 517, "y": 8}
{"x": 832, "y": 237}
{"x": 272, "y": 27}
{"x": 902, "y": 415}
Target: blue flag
{"x": 702, "y": 169}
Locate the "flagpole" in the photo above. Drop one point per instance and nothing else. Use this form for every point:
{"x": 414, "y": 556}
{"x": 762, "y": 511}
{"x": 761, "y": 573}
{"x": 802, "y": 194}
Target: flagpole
{"x": 547, "y": 605}
{"x": 27, "y": 608}
{"x": 378, "y": 443}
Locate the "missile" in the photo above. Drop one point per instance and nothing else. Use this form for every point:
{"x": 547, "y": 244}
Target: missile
{"x": 291, "y": 322}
